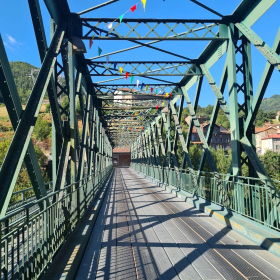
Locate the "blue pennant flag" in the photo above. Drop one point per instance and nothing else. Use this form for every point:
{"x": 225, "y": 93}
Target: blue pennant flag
{"x": 163, "y": 93}
{"x": 115, "y": 65}
{"x": 142, "y": 85}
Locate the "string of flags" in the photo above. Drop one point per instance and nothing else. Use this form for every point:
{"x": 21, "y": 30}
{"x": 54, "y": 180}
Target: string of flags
{"x": 127, "y": 74}
{"x": 110, "y": 25}
{"x": 121, "y": 70}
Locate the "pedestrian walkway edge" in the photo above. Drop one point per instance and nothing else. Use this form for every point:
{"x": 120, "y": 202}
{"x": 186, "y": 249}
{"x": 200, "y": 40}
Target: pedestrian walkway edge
{"x": 261, "y": 235}
{"x": 66, "y": 264}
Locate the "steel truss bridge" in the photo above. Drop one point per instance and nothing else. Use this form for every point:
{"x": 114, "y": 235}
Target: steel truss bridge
{"x": 101, "y": 222}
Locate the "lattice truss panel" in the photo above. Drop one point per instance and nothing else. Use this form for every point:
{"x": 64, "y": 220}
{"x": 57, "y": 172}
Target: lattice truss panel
{"x": 149, "y": 29}
{"x": 142, "y": 69}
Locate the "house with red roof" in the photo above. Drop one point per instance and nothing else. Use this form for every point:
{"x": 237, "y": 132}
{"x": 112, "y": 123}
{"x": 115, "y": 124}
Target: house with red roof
{"x": 262, "y": 132}
{"x": 220, "y": 136}
{"x": 271, "y": 142}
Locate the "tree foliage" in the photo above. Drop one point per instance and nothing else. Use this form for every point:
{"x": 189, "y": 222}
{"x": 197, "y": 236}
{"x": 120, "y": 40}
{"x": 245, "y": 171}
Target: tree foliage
{"x": 23, "y": 181}
{"x": 271, "y": 163}
{"x": 42, "y": 129}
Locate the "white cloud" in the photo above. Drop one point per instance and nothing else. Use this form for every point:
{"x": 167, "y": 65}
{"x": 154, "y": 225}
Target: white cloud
{"x": 12, "y": 40}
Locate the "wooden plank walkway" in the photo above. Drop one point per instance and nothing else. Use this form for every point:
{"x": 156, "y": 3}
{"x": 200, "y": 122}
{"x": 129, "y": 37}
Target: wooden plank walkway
{"x": 144, "y": 232}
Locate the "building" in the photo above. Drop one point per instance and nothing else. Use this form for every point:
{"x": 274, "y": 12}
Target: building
{"x": 220, "y": 136}
{"x": 263, "y": 132}
{"x": 121, "y": 157}
{"x": 271, "y": 142}
{"x": 125, "y": 99}
{"x": 199, "y": 118}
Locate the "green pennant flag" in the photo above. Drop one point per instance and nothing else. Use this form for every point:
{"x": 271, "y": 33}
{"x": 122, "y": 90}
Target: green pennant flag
{"x": 99, "y": 51}
{"x": 121, "y": 18}
{"x": 131, "y": 79}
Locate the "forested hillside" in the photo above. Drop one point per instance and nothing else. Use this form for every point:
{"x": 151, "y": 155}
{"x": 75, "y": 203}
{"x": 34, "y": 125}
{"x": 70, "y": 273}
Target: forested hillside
{"x": 271, "y": 104}
{"x": 22, "y": 76}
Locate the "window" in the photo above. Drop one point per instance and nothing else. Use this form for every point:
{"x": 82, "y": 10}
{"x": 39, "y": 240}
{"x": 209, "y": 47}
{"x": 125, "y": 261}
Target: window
{"x": 227, "y": 140}
{"x": 277, "y": 147}
{"x": 221, "y": 140}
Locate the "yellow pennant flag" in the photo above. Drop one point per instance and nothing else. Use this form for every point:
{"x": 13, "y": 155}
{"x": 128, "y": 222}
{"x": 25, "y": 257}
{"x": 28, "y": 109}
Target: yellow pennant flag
{"x": 144, "y": 3}
{"x": 166, "y": 95}
{"x": 121, "y": 70}
{"x": 146, "y": 88}
{"x": 162, "y": 103}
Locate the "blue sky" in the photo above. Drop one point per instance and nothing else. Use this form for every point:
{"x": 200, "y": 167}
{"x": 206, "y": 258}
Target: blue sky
{"x": 17, "y": 33}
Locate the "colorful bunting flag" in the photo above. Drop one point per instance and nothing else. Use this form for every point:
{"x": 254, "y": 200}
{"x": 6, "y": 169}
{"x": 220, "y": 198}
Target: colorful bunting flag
{"x": 121, "y": 70}
{"x": 131, "y": 79}
{"x": 163, "y": 93}
{"x": 152, "y": 89}
{"x": 162, "y": 103}
{"x": 133, "y": 8}
{"x": 121, "y": 18}
{"x": 166, "y": 95}
{"x": 107, "y": 58}
{"x": 157, "y": 107}
{"x": 142, "y": 85}
{"x": 126, "y": 75}
{"x": 115, "y": 65}
{"x": 90, "y": 43}
{"x": 146, "y": 88}
{"x": 144, "y": 4}
{"x": 138, "y": 83}
{"x": 110, "y": 25}
{"x": 99, "y": 51}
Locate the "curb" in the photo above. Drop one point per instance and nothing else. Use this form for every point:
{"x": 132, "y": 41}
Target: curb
{"x": 261, "y": 235}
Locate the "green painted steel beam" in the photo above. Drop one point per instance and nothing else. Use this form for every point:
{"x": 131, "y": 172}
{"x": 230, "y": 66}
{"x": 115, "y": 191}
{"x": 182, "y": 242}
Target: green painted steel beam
{"x": 271, "y": 56}
{"x": 18, "y": 148}
{"x": 12, "y": 101}
{"x": 260, "y": 92}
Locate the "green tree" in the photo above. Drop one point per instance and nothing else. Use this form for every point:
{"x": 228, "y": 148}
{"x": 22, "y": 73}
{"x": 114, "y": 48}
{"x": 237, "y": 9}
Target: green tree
{"x": 48, "y": 108}
{"x": 65, "y": 105}
{"x": 222, "y": 119}
{"x": 23, "y": 181}
{"x": 195, "y": 153}
{"x": 222, "y": 159}
{"x": 42, "y": 129}
{"x": 271, "y": 163}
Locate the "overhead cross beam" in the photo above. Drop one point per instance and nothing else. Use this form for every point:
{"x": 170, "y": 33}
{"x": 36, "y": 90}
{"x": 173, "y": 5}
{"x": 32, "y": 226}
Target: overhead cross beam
{"x": 205, "y": 30}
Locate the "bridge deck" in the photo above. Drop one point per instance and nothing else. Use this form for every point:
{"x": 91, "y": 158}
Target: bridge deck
{"x": 143, "y": 232}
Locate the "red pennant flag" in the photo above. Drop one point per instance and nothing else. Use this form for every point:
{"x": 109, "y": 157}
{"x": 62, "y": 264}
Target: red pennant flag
{"x": 152, "y": 89}
{"x": 143, "y": 128}
{"x": 90, "y": 43}
{"x": 133, "y": 8}
{"x": 157, "y": 107}
{"x": 126, "y": 75}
